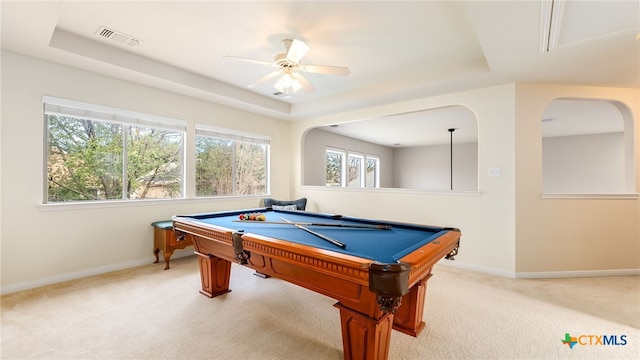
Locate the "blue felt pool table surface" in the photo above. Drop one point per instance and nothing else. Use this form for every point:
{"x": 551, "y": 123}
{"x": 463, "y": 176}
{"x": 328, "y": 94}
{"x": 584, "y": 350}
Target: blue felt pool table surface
{"x": 385, "y": 246}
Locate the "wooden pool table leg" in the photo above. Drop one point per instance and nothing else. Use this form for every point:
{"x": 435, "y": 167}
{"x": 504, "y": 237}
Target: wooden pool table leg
{"x": 408, "y": 317}
{"x": 364, "y": 337}
{"x": 214, "y": 275}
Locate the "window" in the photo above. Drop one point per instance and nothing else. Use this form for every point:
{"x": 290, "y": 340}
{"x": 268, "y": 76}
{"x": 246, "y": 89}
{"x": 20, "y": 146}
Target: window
{"x": 334, "y": 167}
{"x": 358, "y": 171}
{"x": 230, "y": 163}
{"x": 372, "y": 172}
{"x": 99, "y": 153}
{"x": 355, "y": 171}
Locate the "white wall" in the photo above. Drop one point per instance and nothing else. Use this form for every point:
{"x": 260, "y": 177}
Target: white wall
{"x": 584, "y": 164}
{"x": 429, "y": 167}
{"x": 43, "y": 244}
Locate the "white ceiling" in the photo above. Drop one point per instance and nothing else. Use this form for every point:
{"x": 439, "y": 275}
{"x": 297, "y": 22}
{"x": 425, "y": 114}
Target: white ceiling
{"x": 396, "y": 50}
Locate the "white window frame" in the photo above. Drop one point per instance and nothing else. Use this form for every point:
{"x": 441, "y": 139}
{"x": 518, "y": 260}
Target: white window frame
{"x": 361, "y": 170}
{"x": 237, "y": 136}
{"x": 376, "y": 178}
{"x": 343, "y": 155}
{"x": 344, "y": 171}
{"x": 80, "y": 110}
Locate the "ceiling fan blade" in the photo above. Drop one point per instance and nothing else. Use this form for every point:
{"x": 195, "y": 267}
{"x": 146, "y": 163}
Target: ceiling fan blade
{"x": 324, "y": 69}
{"x": 269, "y": 63}
{"x": 306, "y": 85}
{"x": 297, "y": 50}
{"x": 264, "y": 79}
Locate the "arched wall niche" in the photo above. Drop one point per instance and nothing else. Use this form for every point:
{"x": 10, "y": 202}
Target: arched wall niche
{"x": 414, "y": 149}
{"x": 588, "y": 147}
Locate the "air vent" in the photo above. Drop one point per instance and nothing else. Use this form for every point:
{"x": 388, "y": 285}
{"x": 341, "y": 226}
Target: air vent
{"x": 106, "y": 33}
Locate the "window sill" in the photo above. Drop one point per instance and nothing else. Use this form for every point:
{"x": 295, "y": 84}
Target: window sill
{"x": 134, "y": 203}
{"x": 395, "y": 190}
{"x": 629, "y": 196}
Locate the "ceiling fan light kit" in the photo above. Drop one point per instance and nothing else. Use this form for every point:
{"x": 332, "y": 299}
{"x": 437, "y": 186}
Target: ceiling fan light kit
{"x": 287, "y": 84}
{"x": 289, "y": 63}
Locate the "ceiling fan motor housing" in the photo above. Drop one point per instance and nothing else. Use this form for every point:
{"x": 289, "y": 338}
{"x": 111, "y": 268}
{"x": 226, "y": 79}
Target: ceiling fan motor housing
{"x": 286, "y": 43}
{"x": 282, "y": 61}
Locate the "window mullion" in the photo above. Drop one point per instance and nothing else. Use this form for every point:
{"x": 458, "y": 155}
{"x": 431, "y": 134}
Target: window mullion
{"x": 343, "y": 171}
{"x": 125, "y": 138}
{"x": 234, "y": 168}
{"x": 363, "y": 167}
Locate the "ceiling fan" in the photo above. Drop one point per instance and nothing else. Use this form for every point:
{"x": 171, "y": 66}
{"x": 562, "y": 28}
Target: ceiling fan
{"x": 288, "y": 64}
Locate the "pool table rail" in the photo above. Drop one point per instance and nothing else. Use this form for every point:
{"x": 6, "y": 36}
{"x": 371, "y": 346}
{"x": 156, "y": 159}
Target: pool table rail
{"x": 425, "y": 257}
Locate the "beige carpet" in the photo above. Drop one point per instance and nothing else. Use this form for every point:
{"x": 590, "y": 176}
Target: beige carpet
{"x": 148, "y": 313}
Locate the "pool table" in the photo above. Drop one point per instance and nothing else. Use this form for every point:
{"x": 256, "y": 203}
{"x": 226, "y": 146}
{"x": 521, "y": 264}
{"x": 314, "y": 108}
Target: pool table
{"x": 376, "y": 270}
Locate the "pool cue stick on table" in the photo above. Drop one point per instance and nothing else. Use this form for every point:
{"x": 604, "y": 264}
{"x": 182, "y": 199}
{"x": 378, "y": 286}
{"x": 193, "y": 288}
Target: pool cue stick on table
{"x": 363, "y": 226}
{"x": 323, "y": 237}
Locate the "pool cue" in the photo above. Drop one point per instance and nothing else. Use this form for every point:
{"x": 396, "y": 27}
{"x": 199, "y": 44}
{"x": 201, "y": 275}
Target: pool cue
{"x": 323, "y": 237}
{"x": 377, "y": 227}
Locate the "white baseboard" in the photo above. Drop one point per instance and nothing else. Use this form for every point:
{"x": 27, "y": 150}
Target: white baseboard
{"x": 540, "y": 274}
{"x": 577, "y": 273}
{"x": 477, "y": 268}
{"x": 85, "y": 273}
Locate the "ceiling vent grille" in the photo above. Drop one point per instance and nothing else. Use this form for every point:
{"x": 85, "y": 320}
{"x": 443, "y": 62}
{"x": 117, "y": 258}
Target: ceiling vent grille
{"x": 106, "y": 33}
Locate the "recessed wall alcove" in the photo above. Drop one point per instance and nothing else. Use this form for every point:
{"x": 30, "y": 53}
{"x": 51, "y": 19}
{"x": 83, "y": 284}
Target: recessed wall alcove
{"x": 587, "y": 147}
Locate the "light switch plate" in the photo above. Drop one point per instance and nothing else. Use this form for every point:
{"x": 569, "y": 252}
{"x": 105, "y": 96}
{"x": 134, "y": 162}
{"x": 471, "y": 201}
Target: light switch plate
{"x": 494, "y": 171}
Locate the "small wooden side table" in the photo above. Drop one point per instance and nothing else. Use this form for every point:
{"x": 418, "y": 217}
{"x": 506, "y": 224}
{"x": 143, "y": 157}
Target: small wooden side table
{"x": 165, "y": 239}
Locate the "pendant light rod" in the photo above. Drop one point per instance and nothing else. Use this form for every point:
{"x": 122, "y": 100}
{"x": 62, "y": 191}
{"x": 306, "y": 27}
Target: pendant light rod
{"x": 451, "y": 130}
